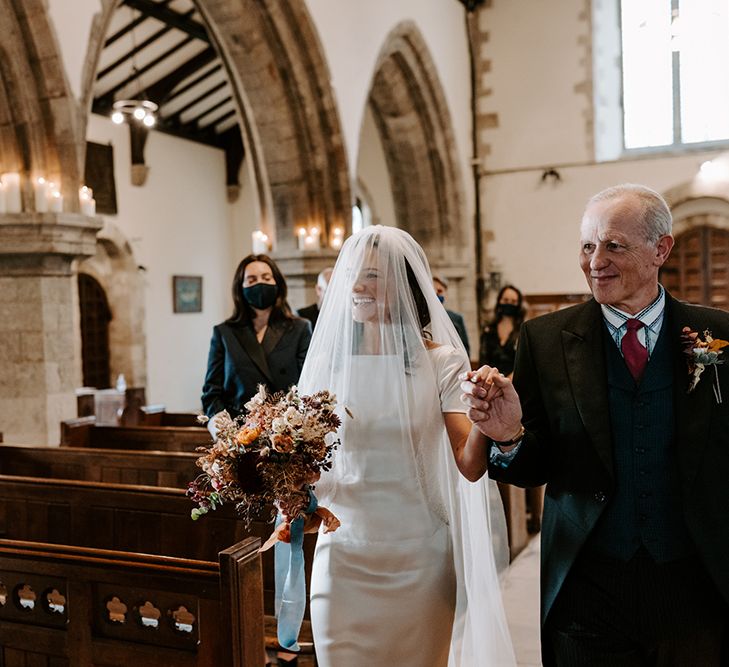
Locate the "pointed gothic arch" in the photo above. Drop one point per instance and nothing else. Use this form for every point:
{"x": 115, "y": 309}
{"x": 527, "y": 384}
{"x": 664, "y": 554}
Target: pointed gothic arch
{"x": 39, "y": 128}
{"x": 281, "y": 85}
{"x": 414, "y": 123}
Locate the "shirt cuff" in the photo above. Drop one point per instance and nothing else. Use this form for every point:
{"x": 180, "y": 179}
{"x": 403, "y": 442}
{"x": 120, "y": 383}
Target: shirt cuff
{"x": 502, "y": 459}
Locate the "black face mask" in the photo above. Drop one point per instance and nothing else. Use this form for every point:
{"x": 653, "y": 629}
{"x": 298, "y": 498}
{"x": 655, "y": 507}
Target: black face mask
{"x": 261, "y": 295}
{"x": 507, "y": 309}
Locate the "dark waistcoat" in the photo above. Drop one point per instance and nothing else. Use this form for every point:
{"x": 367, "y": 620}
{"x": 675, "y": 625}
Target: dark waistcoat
{"x": 645, "y": 508}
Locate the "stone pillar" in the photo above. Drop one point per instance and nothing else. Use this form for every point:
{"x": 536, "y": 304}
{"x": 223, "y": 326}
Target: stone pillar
{"x": 40, "y": 341}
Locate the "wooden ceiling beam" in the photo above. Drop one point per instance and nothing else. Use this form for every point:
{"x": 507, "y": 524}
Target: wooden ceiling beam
{"x": 161, "y": 90}
{"x": 175, "y": 117}
{"x": 107, "y": 99}
{"x": 133, "y": 52}
{"x": 193, "y": 83}
{"x": 207, "y": 112}
{"x": 170, "y": 17}
{"x": 129, "y": 26}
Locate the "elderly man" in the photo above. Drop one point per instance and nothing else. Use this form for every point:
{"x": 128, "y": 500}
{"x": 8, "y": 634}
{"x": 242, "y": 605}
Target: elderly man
{"x": 603, "y": 409}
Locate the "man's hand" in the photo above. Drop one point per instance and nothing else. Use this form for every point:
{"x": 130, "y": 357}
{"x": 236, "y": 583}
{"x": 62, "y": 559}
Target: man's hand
{"x": 494, "y": 405}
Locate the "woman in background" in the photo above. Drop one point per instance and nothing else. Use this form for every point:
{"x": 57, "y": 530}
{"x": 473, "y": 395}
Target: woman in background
{"x": 261, "y": 343}
{"x": 501, "y": 335}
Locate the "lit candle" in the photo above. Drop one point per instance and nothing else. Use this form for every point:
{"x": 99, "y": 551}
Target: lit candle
{"x": 40, "y": 194}
{"x": 2, "y": 199}
{"x": 11, "y": 184}
{"x": 88, "y": 206}
{"x": 86, "y": 201}
{"x": 301, "y": 235}
{"x": 260, "y": 242}
{"x": 337, "y": 238}
{"x": 310, "y": 241}
{"x": 55, "y": 204}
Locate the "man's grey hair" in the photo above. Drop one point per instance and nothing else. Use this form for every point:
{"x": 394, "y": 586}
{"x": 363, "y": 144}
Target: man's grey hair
{"x": 655, "y": 216}
{"x": 322, "y": 280}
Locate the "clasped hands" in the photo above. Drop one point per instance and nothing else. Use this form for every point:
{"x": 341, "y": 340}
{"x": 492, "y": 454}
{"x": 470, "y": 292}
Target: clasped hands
{"x": 493, "y": 404}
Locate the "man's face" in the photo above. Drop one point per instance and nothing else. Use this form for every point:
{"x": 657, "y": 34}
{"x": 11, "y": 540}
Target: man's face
{"x": 620, "y": 265}
{"x": 440, "y": 289}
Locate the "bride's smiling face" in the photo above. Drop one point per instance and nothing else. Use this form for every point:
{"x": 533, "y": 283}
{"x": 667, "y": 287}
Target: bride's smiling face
{"x": 368, "y": 292}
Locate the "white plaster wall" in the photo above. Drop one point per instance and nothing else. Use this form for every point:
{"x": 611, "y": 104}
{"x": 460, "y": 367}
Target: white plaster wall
{"x": 353, "y": 33}
{"x": 536, "y": 226}
{"x": 72, "y": 22}
{"x": 538, "y": 53}
{"x": 178, "y": 223}
{"x": 540, "y": 77}
{"x": 373, "y": 174}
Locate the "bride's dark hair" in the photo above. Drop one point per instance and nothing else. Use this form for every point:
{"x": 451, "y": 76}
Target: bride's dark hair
{"x": 421, "y": 303}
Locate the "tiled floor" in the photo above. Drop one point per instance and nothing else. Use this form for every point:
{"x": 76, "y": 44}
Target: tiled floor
{"x": 521, "y": 599}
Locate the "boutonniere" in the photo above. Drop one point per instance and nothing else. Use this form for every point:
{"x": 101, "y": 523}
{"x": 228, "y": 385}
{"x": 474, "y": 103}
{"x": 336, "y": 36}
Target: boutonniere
{"x": 702, "y": 351}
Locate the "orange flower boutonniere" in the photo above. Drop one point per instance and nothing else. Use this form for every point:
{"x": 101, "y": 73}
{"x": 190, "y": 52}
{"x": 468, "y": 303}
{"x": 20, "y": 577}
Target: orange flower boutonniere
{"x": 702, "y": 351}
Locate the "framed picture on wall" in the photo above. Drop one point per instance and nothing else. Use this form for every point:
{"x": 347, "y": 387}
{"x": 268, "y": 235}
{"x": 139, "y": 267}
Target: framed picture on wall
{"x": 187, "y": 294}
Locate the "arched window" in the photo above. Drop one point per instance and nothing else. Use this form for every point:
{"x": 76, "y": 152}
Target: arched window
{"x": 95, "y": 318}
{"x": 659, "y": 75}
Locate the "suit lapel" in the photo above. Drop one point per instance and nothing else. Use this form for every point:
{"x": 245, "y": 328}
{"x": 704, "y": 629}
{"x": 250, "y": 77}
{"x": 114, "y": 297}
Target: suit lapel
{"x": 582, "y": 343}
{"x": 273, "y": 334}
{"x": 693, "y": 411}
{"x": 248, "y": 341}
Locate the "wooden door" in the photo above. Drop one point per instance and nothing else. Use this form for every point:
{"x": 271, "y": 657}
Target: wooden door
{"x": 95, "y": 318}
{"x": 697, "y": 270}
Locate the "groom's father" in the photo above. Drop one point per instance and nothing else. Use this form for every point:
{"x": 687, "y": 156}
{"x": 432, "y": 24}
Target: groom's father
{"x": 635, "y": 534}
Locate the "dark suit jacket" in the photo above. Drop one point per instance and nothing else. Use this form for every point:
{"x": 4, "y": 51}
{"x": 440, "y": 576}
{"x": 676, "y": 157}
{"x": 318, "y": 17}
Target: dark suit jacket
{"x": 561, "y": 379}
{"x": 460, "y": 326}
{"x": 310, "y": 313}
{"x": 238, "y": 363}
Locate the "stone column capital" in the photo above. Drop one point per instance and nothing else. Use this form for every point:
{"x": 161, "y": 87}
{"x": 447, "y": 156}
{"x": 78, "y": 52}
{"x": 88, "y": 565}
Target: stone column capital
{"x": 45, "y": 243}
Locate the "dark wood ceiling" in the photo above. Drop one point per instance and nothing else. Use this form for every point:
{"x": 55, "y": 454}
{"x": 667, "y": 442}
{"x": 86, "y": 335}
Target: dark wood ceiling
{"x": 160, "y": 50}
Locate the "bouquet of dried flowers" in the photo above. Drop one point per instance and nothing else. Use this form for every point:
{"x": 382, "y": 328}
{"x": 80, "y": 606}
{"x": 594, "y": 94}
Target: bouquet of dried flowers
{"x": 266, "y": 460}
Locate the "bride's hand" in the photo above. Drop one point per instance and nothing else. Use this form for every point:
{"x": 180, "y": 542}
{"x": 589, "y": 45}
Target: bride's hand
{"x": 493, "y": 403}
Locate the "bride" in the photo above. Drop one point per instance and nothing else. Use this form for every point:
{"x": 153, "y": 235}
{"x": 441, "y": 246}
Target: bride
{"x": 410, "y": 577}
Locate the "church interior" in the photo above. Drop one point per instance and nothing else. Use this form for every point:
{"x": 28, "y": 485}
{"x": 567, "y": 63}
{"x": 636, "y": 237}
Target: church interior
{"x": 147, "y": 146}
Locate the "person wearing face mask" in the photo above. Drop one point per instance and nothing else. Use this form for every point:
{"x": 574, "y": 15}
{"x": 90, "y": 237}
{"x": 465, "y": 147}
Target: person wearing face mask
{"x": 441, "y": 289}
{"x": 261, "y": 343}
{"x": 499, "y": 338}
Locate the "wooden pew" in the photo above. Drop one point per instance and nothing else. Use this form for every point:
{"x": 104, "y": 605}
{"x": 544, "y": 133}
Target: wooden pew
{"x": 142, "y": 519}
{"x": 148, "y": 468}
{"x": 80, "y": 607}
{"x": 157, "y": 415}
{"x": 83, "y": 432}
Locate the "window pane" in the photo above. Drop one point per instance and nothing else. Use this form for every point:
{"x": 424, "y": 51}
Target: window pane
{"x": 647, "y": 73}
{"x": 704, "y": 71}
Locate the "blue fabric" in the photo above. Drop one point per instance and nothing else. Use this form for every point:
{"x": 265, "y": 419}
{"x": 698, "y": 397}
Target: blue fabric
{"x": 290, "y": 601}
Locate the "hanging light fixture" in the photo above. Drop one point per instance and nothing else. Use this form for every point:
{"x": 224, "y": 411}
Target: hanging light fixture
{"x": 139, "y": 110}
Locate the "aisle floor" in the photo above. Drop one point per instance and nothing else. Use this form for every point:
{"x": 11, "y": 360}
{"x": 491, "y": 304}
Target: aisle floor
{"x": 521, "y": 599}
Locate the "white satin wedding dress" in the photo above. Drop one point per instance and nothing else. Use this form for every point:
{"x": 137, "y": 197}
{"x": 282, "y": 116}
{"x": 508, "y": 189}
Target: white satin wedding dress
{"x": 383, "y": 585}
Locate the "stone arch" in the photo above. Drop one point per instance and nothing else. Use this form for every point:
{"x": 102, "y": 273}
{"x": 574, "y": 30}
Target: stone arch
{"x": 412, "y": 116}
{"x": 39, "y": 128}
{"x": 115, "y": 269}
{"x": 281, "y": 83}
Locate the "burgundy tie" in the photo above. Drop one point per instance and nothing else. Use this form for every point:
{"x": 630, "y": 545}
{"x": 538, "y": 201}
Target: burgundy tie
{"x": 636, "y": 356}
